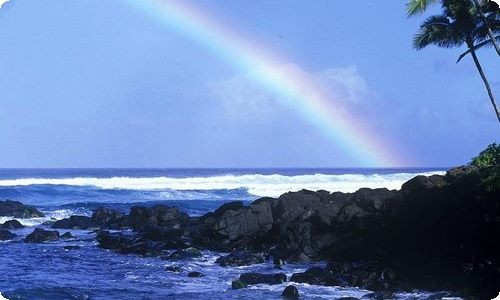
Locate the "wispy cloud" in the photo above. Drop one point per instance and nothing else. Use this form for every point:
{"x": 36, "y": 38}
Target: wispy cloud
{"x": 344, "y": 86}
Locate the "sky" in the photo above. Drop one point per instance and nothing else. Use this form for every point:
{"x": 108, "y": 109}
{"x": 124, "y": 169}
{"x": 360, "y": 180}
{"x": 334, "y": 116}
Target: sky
{"x": 92, "y": 83}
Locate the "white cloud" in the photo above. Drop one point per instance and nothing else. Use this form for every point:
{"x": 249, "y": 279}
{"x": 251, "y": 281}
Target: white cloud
{"x": 344, "y": 86}
{"x": 2, "y": 2}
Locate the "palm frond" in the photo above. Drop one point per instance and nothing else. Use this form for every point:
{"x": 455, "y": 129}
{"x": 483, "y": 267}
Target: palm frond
{"x": 414, "y": 7}
{"x": 438, "y": 30}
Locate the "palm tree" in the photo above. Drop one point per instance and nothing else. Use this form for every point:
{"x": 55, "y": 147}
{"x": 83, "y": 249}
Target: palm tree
{"x": 458, "y": 24}
{"x": 414, "y": 7}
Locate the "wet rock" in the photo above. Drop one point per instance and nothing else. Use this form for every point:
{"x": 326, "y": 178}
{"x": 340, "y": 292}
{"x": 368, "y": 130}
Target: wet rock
{"x": 12, "y": 224}
{"x": 317, "y": 276}
{"x": 238, "y": 284}
{"x": 74, "y": 222}
{"x": 67, "y": 235}
{"x": 195, "y": 274}
{"x": 40, "y": 235}
{"x": 174, "y": 269}
{"x": 129, "y": 244}
{"x": 158, "y": 215}
{"x": 278, "y": 263}
{"x": 240, "y": 258}
{"x": 184, "y": 254}
{"x": 290, "y": 292}
{"x": 157, "y": 233}
{"x": 110, "y": 218}
{"x": 257, "y": 278}
{"x": 16, "y": 209}
{"x": 6, "y": 235}
{"x": 233, "y": 225}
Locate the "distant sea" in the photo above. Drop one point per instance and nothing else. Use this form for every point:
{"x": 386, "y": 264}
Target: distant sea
{"x": 48, "y": 271}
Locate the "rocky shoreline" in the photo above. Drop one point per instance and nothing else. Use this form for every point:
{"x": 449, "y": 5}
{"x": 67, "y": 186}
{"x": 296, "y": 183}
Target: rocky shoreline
{"x": 436, "y": 233}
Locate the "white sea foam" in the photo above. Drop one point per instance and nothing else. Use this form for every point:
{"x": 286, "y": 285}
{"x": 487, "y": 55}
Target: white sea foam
{"x": 50, "y": 215}
{"x": 259, "y": 185}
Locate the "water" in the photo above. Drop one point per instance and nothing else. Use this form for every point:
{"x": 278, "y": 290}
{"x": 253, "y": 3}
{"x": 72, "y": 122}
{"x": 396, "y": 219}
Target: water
{"x": 48, "y": 271}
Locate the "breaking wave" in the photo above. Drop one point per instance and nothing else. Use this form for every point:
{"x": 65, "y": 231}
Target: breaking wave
{"x": 255, "y": 184}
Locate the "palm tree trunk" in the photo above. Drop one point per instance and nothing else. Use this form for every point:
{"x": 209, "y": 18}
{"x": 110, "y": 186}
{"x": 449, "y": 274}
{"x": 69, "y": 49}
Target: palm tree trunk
{"x": 490, "y": 33}
{"x": 470, "y": 44}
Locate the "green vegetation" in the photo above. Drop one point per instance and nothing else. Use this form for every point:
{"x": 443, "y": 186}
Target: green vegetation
{"x": 488, "y": 158}
{"x": 460, "y": 22}
{"x": 488, "y": 161}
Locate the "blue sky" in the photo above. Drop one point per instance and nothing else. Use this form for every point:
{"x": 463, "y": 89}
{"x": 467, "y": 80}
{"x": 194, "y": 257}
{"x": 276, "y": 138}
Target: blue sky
{"x": 92, "y": 83}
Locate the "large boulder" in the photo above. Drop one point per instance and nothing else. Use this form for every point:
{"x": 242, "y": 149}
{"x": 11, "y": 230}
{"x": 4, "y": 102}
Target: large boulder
{"x": 235, "y": 226}
{"x": 290, "y": 292}
{"x": 40, "y": 235}
{"x": 241, "y": 258}
{"x": 6, "y": 235}
{"x": 257, "y": 278}
{"x": 129, "y": 244}
{"x": 316, "y": 276}
{"x": 74, "y": 222}
{"x": 195, "y": 274}
{"x": 158, "y": 215}
{"x": 109, "y": 218}
{"x": 184, "y": 254}
{"x": 16, "y": 209}
{"x": 12, "y": 224}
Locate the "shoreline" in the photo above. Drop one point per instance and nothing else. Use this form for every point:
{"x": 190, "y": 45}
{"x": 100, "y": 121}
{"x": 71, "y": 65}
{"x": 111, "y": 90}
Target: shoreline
{"x": 353, "y": 231}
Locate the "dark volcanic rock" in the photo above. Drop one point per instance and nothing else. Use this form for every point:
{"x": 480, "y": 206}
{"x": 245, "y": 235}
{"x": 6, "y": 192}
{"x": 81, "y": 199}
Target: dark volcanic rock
{"x": 238, "y": 284}
{"x": 12, "y": 224}
{"x": 40, "y": 235}
{"x": 6, "y": 235}
{"x": 67, "y": 235}
{"x": 74, "y": 222}
{"x": 174, "y": 269}
{"x": 257, "y": 278}
{"x": 436, "y": 233}
{"x": 184, "y": 254}
{"x": 290, "y": 292}
{"x": 16, "y": 209}
{"x": 157, "y": 216}
{"x": 157, "y": 233}
{"x": 195, "y": 274}
{"x": 232, "y": 225}
{"x": 317, "y": 276}
{"x": 110, "y": 218}
{"x": 130, "y": 244}
{"x": 241, "y": 258}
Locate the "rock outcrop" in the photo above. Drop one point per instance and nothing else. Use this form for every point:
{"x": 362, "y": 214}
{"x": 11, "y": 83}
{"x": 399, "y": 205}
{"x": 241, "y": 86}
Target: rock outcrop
{"x": 382, "y": 240}
{"x": 12, "y": 224}
{"x": 110, "y": 218}
{"x": 16, "y": 209}
{"x": 6, "y": 235}
{"x": 40, "y": 235}
{"x": 74, "y": 222}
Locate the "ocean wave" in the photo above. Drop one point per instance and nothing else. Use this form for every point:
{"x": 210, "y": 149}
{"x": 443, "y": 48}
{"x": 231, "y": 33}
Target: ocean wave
{"x": 49, "y": 216}
{"x": 256, "y": 184}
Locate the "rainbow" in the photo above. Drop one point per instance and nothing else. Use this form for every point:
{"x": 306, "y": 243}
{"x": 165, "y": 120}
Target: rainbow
{"x": 292, "y": 87}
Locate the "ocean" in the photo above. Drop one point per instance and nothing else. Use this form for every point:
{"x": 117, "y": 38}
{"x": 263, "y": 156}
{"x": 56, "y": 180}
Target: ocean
{"x": 49, "y": 271}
